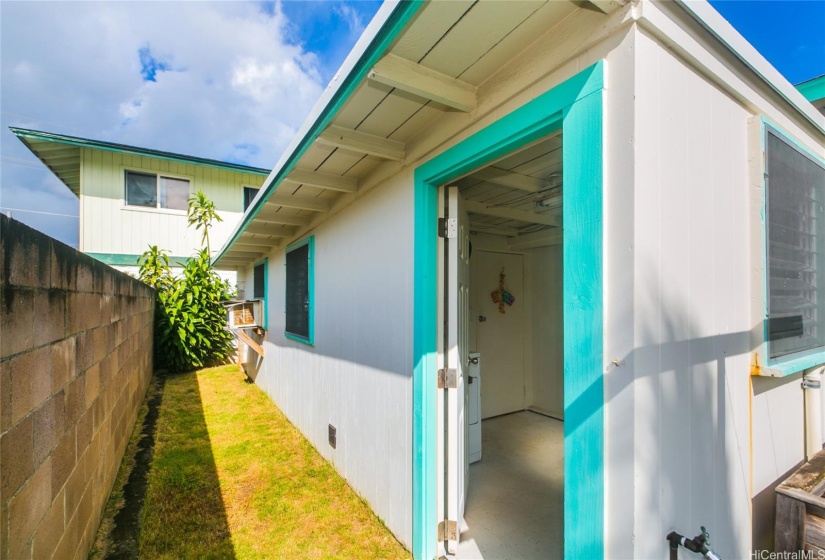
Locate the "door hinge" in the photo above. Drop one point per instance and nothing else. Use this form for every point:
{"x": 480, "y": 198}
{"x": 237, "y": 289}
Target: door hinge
{"x": 447, "y": 379}
{"x": 447, "y": 531}
{"x": 447, "y": 228}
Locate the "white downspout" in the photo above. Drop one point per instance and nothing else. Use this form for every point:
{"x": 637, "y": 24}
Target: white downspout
{"x": 811, "y": 381}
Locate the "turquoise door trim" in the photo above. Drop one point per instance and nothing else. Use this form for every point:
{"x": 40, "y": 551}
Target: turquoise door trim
{"x": 575, "y": 106}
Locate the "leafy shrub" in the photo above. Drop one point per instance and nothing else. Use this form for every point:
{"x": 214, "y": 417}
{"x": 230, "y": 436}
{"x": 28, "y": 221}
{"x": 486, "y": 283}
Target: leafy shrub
{"x": 189, "y": 317}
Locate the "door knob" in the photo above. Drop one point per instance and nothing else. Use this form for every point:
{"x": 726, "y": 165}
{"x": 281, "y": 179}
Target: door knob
{"x": 481, "y": 318}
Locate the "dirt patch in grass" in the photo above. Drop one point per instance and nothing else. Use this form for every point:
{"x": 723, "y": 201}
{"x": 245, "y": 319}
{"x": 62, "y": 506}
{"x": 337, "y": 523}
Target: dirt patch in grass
{"x": 117, "y": 537}
{"x": 232, "y": 478}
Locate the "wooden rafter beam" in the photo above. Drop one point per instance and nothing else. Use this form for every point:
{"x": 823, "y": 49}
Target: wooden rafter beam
{"x": 541, "y": 238}
{"x": 257, "y": 241}
{"x": 272, "y": 217}
{"x": 492, "y": 230}
{"x": 510, "y": 213}
{"x": 241, "y": 254}
{"x": 323, "y": 180}
{"x": 52, "y": 147}
{"x": 243, "y": 247}
{"x": 605, "y": 6}
{"x": 419, "y": 80}
{"x": 512, "y": 179}
{"x": 363, "y": 143}
{"x": 269, "y": 229}
{"x": 298, "y": 201}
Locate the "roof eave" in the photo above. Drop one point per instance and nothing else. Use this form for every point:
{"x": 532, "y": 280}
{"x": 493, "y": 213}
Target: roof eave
{"x": 390, "y": 20}
{"x": 713, "y": 22}
{"x": 23, "y": 134}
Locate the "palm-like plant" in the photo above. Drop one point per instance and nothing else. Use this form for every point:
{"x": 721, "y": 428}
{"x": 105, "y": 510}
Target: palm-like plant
{"x": 201, "y": 214}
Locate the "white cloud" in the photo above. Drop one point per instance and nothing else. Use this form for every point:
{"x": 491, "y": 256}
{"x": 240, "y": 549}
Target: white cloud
{"x": 229, "y": 83}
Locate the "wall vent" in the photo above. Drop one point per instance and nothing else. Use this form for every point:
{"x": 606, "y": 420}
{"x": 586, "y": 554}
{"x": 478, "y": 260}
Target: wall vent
{"x": 332, "y": 437}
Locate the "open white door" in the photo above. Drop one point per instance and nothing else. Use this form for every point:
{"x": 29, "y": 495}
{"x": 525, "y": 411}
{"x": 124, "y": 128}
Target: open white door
{"x": 453, "y": 363}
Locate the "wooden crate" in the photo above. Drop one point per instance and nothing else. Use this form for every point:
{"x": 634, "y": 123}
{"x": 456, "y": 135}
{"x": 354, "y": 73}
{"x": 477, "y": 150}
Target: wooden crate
{"x": 800, "y": 509}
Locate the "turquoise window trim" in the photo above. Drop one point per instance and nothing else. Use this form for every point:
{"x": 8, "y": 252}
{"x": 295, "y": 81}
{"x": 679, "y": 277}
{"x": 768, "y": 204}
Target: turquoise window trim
{"x": 264, "y": 261}
{"x": 575, "y": 106}
{"x": 310, "y": 340}
{"x": 790, "y": 364}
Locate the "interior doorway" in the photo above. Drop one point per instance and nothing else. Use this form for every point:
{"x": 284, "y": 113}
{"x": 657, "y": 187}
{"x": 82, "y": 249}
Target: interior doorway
{"x": 574, "y": 107}
{"x": 501, "y": 306}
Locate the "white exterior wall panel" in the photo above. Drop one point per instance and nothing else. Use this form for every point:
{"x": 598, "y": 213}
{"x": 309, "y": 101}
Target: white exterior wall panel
{"x": 110, "y": 226}
{"x": 693, "y": 315}
{"x": 358, "y": 374}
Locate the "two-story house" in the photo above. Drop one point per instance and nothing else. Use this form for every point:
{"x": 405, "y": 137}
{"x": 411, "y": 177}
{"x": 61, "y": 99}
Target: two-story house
{"x": 131, "y": 198}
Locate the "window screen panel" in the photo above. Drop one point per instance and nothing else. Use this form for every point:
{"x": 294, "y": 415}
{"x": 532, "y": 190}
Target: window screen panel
{"x": 249, "y": 195}
{"x": 174, "y": 193}
{"x": 259, "y": 282}
{"x": 796, "y": 254}
{"x": 297, "y": 291}
{"x": 141, "y": 189}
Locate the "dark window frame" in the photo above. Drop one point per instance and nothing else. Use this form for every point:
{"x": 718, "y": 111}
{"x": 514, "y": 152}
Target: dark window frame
{"x": 157, "y": 199}
{"x": 261, "y": 294}
{"x": 249, "y": 194}
{"x": 304, "y": 335}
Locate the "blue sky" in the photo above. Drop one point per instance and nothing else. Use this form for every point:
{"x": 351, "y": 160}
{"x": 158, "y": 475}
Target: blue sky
{"x": 790, "y": 34}
{"x": 224, "y": 80}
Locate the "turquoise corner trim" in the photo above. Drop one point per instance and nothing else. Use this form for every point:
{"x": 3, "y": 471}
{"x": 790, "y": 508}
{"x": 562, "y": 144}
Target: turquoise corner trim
{"x": 575, "y": 106}
{"x": 583, "y": 330}
{"x": 310, "y": 340}
{"x": 403, "y": 13}
{"x": 812, "y": 90}
{"x": 120, "y": 259}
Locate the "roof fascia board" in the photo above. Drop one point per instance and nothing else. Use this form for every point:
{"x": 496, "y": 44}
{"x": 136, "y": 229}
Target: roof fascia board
{"x": 812, "y": 90}
{"x": 707, "y": 17}
{"x": 390, "y": 20}
{"x": 24, "y": 134}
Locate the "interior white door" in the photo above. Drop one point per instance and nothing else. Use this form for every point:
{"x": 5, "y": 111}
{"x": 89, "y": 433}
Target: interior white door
{"x": 454, "y": 398}
{"x": 500, "y": 336}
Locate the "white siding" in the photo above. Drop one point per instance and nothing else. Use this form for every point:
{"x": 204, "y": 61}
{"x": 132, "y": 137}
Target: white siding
{"x": 109, "y": 226}
{"x": 689, "y": 262}
{"x": 358, "y": 376}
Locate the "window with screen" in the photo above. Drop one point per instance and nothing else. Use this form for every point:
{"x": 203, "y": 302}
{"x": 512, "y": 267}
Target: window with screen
{"x": 248, "y": 196}
{"x": 795, "y": 184}
{"x": 299, "y": 269}
{"x": 259, "y": 281}
{"x": 259, "y": 286}
{"x": 156, "y": 191}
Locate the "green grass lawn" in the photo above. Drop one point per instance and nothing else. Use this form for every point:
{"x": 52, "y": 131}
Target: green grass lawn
{"x": 232, "y": 478}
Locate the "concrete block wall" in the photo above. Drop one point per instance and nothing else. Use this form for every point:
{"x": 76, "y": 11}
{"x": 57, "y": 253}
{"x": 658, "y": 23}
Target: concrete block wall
{"x": 75, "y": 363}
